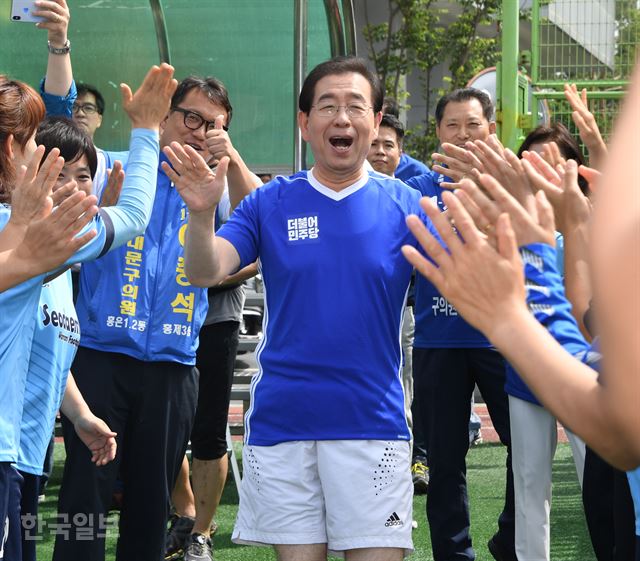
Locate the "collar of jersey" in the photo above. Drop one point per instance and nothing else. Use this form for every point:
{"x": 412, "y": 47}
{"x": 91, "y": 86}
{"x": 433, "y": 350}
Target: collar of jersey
{"x": 336, "y": 195}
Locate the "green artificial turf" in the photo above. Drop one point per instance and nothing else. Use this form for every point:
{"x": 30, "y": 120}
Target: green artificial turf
{"x": 485, "y": 463}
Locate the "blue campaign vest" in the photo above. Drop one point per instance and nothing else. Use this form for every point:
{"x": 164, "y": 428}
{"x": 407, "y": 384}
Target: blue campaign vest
{"x": 438, "y": 324}
{"x": 137, "y": 300}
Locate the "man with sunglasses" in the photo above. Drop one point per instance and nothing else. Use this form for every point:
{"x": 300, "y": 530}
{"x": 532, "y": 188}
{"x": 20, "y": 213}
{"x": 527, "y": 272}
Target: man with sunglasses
{"x": 140, "y": 321}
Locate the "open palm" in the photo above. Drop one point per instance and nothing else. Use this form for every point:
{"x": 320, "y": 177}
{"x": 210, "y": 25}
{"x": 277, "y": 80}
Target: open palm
{"x": 200, "y": 188}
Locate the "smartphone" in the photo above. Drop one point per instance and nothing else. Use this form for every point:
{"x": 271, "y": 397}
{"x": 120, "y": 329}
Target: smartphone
{"x": 21, "y": 11}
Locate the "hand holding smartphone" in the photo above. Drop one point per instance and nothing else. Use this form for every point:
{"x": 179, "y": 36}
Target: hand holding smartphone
{"x": 21, "y": 11}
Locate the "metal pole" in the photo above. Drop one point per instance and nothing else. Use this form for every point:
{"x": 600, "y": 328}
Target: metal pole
{"x": 161, "y": 31}
{"x": 349, "y": 27}
{"x": 508, "y": 90}
{"x": 336, "y": 32}
{"x": 535, "y": 42}
{"x": 300, "y": 68}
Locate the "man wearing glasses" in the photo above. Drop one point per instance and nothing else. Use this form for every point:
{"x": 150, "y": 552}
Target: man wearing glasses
{"x": 140, "y": 319}
{"x": 326, "y": 457}
{"x": 88, "y": 108}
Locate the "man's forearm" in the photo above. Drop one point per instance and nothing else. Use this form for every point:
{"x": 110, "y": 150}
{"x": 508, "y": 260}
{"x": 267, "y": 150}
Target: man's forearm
{"x": 202, "y": 262}
{"x": 73, "y": 404}
{"x": 241, "y": 181}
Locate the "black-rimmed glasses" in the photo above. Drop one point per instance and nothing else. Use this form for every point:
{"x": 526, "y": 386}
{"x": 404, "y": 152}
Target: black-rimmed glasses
{"x": 194, "y": 121}
{"x": 86, "y": 108}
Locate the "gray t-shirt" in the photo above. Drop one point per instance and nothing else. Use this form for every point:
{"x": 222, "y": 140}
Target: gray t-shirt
{"x": 225, "y": 305}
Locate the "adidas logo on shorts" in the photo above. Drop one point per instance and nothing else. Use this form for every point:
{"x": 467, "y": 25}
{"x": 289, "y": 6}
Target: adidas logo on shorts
{"x": 394, "y": 520}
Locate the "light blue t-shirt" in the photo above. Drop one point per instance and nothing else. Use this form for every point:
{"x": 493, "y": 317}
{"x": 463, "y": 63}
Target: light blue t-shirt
{"x": 335, "y": 284}
{"x": 56, "y": 338}
{"x": 18, "y": 307}
{"x": 20, "y": 322}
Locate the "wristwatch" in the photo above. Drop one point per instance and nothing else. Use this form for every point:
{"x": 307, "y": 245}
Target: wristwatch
{"x": 59, "y": 50}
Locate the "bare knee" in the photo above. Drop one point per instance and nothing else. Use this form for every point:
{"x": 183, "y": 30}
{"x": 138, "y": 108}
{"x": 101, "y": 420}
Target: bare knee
{"x": 375, "y": 554}
{"x": 306, "y": 552}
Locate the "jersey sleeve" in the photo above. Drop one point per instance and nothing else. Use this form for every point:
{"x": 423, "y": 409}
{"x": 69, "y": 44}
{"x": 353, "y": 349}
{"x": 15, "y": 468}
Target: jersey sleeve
{"x": 242, "y": 228}
{"x": 133, "y": 211}
{"x": 57, "y": 105}
{"x": 546, "y": 298}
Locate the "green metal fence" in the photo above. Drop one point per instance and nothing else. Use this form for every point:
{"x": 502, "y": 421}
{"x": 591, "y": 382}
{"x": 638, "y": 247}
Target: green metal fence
{"x": 592, "y": 43}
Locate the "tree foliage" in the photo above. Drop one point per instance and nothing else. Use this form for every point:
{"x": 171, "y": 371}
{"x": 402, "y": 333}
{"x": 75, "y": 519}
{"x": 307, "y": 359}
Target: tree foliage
{"x": 415, "y": 38}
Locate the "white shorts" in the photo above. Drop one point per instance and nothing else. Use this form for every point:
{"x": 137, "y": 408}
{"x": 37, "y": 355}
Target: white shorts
{"x": 349, "y": 494}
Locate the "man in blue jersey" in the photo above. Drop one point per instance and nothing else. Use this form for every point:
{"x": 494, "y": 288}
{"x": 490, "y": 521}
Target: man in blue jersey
{"x": 450, "y": 357}
{"x": 140, "y": 319}
{"x": 326, "y": 455}
{"x": 407, "y": 167}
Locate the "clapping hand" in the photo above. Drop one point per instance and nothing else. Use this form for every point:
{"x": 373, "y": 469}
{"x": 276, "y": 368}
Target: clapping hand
{"x": 149, "y": 105}
{"x": 200, "y": 188}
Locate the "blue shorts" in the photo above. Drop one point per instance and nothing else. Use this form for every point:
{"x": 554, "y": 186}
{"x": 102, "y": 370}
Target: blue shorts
{"x": 10, "y": 537}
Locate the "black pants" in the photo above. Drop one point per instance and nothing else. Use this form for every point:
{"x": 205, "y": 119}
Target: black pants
{"x": 151, "y": 406}
{"x": 29, "y": 514}
{"x": 445, "y": 380}
{"x": 608, "y": 507}
{"x": 215, "y": 360}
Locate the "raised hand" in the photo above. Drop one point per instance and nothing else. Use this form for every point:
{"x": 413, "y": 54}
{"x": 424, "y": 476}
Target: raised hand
{"x": 98, "y": 437}
{"x": 542, "y": 166}
{"x": 150, "y": 104}
{"x": 113, "y": 188}
{"x": 56, "y": 20}
{"x": 52, "y": 240}
{"x": 219, "y": 143}
{"x": 552, "y": 155}
{"x": 506, "y": 168}
{"x": 200, "y": 188}
{"x": 486, "y": 285}
{"x": 587, "y": 125}
{"x": 531, "y": 224}
{"x": 459, "y": 164}
{"x": 571, "y": 207}
{"x": 31, "y": 198}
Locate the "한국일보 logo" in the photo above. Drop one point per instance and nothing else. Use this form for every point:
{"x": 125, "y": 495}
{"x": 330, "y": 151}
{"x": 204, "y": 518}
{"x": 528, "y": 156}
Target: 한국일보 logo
{"x": 302, "y": 228}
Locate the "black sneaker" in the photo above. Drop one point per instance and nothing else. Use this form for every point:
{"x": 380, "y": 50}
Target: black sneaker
{"x": 420, "y": 477}
{"x": 198, "y": 548}
{"x": 177, "y": 533}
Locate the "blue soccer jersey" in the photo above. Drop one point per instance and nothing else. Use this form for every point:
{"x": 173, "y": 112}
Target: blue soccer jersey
{"x": 335, "y": 286}
{"x": 55, "y": 340}
{"x": 18, "y": 307}
{"x": 25, "y": 344}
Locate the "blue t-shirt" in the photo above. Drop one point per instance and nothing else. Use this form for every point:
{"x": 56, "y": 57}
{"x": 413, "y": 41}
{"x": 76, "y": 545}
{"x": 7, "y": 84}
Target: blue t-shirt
{"x": 56, "y": 338}
{"x": 335, "y": 284}
{"x": 47, "y": 345}
{"x": 409, "y": 167}
{"x": 18, "y": 307}
{"x": 438, "y": 324}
